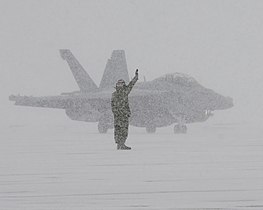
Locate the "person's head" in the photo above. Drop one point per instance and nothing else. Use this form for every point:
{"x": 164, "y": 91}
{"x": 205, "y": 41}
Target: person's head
{"x": 120, "y": 84}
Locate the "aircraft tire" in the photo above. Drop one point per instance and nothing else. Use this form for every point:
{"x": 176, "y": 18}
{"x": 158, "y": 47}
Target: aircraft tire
{"x": 151, "y": 129}
{"x": 102, "y": 127}
{"x": 180, "y": 129}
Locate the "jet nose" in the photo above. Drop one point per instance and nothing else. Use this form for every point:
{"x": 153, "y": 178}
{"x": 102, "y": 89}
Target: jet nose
{"x": 221, "y": 102}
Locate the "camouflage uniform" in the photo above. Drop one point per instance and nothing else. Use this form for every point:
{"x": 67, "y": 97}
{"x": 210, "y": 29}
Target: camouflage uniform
{"x": 121, "y": 111}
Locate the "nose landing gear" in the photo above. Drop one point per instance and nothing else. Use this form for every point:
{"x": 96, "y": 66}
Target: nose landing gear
{"x": 180, "y": 129}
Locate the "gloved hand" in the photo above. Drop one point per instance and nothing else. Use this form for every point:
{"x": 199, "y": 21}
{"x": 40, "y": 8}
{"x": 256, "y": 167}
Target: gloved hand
{"x": 136, "y": 72}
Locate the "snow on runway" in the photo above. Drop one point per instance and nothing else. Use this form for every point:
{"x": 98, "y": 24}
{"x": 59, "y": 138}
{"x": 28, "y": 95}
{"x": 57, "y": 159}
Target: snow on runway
{"x": 72, "y": 166}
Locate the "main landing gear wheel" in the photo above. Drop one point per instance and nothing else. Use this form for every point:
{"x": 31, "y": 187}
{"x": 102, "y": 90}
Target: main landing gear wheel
{"x": 180, "y": 129}
{"x": 150, "y": 129}
{"x": 102, "y": 127}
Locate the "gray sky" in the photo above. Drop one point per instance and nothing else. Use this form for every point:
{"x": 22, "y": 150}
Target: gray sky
{"x": 220, "y": 43}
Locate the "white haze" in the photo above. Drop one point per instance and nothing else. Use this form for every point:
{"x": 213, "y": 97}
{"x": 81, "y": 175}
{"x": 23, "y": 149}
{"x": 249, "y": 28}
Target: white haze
{"x": 48, "y": 161}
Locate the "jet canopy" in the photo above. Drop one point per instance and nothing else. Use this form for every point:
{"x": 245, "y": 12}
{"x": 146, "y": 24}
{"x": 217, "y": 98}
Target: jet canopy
{"x": 178, "y": 79}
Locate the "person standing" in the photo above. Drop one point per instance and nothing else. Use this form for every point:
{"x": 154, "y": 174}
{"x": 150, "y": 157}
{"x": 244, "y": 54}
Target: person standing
{"x": 121, "y": 111}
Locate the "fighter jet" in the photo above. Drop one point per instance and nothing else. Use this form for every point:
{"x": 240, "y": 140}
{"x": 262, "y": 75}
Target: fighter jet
{"x": 170, "y": 99}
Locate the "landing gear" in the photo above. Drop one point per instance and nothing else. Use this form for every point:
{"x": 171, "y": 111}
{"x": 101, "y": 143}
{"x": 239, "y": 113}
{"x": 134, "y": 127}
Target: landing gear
{"x": 150, "y": 129}
{"x": 180, "y": 128}
{"x": 103, "y": 127}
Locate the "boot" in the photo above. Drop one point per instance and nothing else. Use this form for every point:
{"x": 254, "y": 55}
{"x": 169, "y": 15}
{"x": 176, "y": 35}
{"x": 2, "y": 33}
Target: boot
{"x": 124, "y": 147}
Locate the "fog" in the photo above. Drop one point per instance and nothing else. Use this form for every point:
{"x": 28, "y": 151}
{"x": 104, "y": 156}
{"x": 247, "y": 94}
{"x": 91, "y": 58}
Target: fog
{"x": 48, "y": 161}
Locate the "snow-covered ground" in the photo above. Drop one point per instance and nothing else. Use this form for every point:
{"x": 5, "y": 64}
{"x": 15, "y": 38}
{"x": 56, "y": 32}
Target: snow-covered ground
{"x": 70, "y": 166}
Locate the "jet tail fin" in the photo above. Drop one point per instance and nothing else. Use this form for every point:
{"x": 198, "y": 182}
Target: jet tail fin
{"x": 85, "y": 83}
{"x": 116, "y": 68}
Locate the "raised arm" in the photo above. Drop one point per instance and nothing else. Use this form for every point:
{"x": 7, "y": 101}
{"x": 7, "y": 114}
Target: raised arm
{"x": 132, "y": 82}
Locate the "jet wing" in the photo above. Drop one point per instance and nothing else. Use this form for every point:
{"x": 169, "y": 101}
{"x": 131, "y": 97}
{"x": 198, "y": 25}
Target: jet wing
{"x": 58, "y": 102}
{"x": 61, "y": 101}
{"x": 64, "y": 101}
